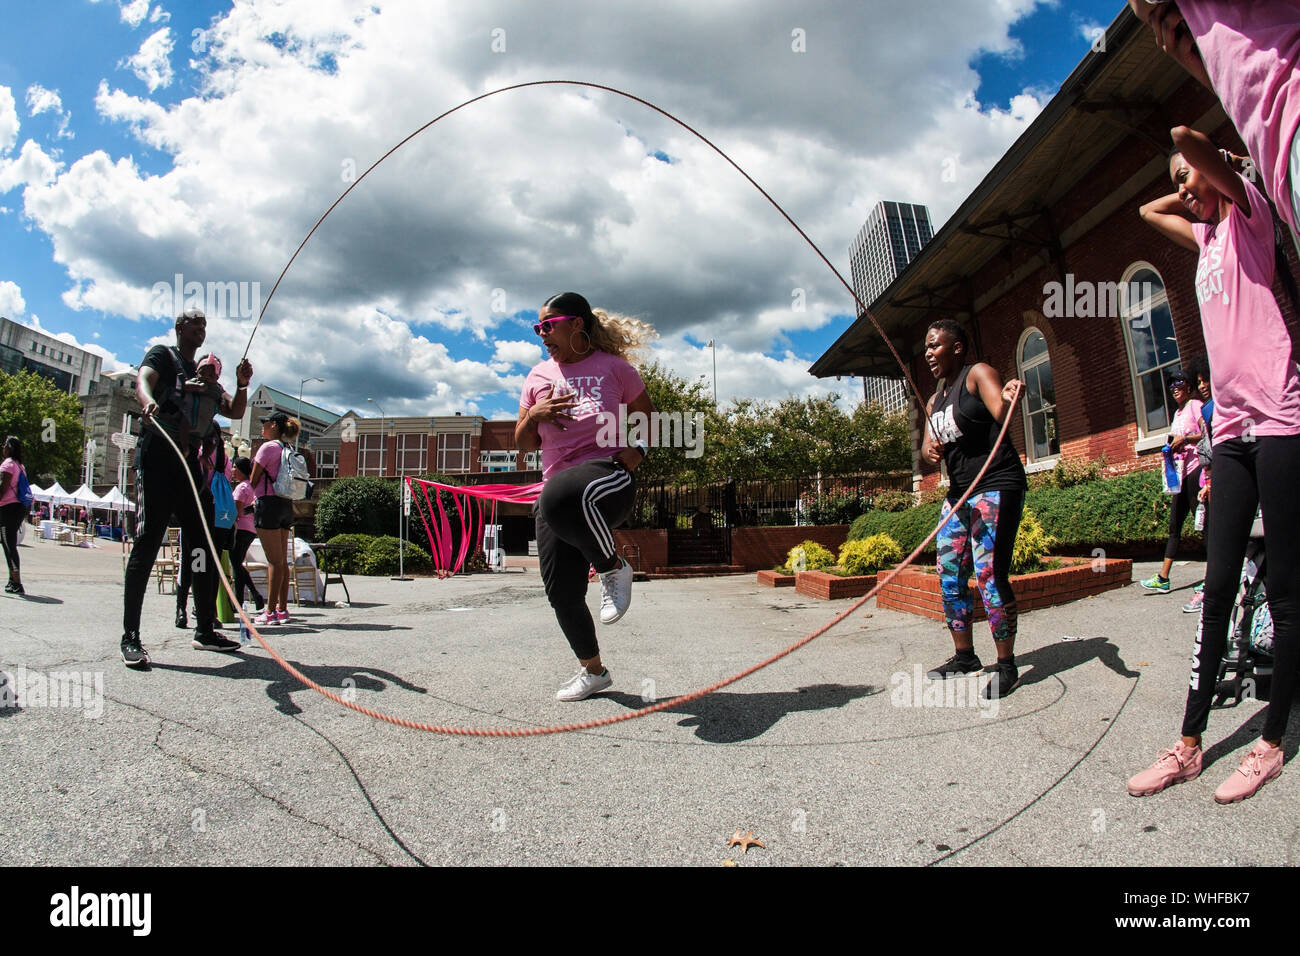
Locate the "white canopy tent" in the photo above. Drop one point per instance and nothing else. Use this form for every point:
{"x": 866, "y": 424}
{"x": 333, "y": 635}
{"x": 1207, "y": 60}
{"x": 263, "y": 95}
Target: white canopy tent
{"x": 54, "y": 495}
{"x": 116, "y": 501}
{"x": 86, "y": 498}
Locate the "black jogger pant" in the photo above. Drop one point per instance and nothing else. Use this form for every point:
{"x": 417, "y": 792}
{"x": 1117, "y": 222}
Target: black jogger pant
{"x": 1249, "y": 474}
{"x": 1183, "y": 502}
{"x": 575, "y": 514}
{"x": 12, "y": 516}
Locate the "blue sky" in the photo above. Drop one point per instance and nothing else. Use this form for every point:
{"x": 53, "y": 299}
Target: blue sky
{"x": 201, "y": 139}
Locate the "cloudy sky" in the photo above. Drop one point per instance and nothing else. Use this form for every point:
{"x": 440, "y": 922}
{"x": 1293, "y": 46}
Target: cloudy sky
{"x": 143, "y": 141}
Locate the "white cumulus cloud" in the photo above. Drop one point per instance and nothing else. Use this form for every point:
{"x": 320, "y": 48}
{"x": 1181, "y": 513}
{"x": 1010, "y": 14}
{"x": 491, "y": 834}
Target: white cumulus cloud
{"x": 11, "y": 300}
{"x": 8, "y": 120}
{"x": 152, "y": 62}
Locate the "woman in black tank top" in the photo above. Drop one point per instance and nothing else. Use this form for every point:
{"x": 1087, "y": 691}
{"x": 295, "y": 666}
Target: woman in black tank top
{"x": 963, "y": 420}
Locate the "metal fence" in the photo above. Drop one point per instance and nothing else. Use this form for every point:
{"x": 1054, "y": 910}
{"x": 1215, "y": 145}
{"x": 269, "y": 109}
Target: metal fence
{"x": 751, "y": 503}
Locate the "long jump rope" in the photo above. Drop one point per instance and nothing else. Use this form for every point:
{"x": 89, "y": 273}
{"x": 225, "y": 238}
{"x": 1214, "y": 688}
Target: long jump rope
{"x": 667, "y": 703}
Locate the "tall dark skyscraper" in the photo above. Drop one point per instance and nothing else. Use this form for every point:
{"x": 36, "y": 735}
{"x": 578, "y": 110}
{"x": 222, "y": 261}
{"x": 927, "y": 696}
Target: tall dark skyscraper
{"x": 894, "y": 233}
{"x": 891, "y": 238}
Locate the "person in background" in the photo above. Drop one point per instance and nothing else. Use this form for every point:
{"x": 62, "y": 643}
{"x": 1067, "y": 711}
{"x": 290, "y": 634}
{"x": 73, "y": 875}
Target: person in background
{"x": 1199, "y": 369}
{"x": 12, "y": 510}
{"x": 245, "y": 531}
{"x": 273, "y": 515}
{"x": 1184, "y": 433}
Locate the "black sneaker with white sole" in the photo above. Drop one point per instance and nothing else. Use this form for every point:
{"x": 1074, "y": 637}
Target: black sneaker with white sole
{"x": 214, "y": 642}
{"x": 133, "y": 655}
{"x": 956, "y": 667}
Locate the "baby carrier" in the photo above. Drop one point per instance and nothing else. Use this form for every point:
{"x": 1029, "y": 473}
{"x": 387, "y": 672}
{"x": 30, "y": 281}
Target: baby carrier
{"x": 1249, "y": 655}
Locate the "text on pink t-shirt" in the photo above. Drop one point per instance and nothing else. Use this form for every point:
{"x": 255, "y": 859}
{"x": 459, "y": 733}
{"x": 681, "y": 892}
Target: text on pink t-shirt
{"x": 1256, "y": 388}
{"x": 602, "y": 383}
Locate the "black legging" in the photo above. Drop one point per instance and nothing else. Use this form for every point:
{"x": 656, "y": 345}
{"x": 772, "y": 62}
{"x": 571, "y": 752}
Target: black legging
{"x": 243, "y": 540}
{"x": 1182, "y": 503}
{"x": 574, "y": 515}
{"x": 1246, "y": 475}
{"x": 11, "y": 517}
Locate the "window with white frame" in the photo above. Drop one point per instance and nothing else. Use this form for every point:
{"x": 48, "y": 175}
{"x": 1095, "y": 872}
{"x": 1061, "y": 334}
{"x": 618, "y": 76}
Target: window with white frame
{"x": 412, "y": 453}
{"x": 453, "y": 453}
{"x": 1041, "y": 437}
{"x": 498, "y": 460}
{"x": 1152, "y": 346}
{"x": 327, "y": 464}
{"x": 370, "y": 454}
{"x": 533, "y": 461}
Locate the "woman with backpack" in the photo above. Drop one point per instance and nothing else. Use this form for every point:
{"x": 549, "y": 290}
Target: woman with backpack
{"x": 273, "y": 514}
{"x": 13, "y": 480}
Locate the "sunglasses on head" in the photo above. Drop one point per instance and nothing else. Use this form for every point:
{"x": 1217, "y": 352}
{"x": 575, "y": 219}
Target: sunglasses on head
{"x": 544, "y": 327}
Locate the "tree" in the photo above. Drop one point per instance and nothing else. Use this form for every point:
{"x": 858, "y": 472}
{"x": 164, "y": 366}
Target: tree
{"x": 674, "y": 396}
{"x": 48, "y": 422}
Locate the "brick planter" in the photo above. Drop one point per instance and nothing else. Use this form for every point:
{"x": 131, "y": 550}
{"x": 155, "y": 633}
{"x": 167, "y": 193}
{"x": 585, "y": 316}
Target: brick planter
{"x": 830, "y": 587}
{"x": 775, "y": 579}
{"x": 917, "y": 592}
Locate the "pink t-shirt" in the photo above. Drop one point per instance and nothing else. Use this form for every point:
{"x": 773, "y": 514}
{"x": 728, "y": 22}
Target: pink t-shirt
{"x": 268, "y": 456}
{"x": 1256, "y": 388}
{"x": 1187, "y": 421}
{"x": 12, "y": 469}
{"x": 244, "y": 498}
{"x": 603, "y": 384}
{"x": 1251, "y": 51}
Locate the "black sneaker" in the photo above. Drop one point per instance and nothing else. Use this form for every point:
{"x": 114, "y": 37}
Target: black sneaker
{"x": 133, "y": 655}
{"x": 955, "y": 667}
{"x": 213, "y": 642}
{"x": 1004, "y": 679}
{"x": 182, "y": 621}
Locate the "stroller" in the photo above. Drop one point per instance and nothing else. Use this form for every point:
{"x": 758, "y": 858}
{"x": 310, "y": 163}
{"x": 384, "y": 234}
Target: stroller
{"x": 1249, "y": 655}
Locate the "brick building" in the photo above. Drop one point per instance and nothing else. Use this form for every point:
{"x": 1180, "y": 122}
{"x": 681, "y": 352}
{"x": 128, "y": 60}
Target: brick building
{"x": 390, "y": 447}
{"x": 1056, "y": 279}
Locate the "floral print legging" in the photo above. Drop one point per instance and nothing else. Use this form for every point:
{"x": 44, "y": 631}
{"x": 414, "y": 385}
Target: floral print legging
{"x": 980, "y": 536}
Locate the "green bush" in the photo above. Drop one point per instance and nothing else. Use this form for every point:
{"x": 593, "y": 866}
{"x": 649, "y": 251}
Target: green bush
{"x": 358, "y": 506}
{"x": 380, "y": 557}
{"x": 1068, "y": 473}
{"x": 893, "y": 501}
{"x": 809, "y": 556}
{"x": 933, "y": 496}
{"x": 1032, "y": 543}
{"x": 908, "y": 528}
{"x": 349, "y": 562}
{"x": 377, "y": 555}
{"x": 869, "y": 555}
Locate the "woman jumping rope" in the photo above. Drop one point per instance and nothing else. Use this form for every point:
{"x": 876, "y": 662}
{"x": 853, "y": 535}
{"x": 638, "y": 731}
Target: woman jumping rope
{"x": 1256, "y": 445}
{"x": 569, "y": 405}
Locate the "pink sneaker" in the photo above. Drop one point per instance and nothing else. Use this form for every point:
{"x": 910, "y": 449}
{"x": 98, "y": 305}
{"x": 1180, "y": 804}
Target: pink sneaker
{"x": 1179, "y": 765}
{"x": 282, "y": 617}
{"x": 1257, "y": 768}
{"x": 266, "y": 617}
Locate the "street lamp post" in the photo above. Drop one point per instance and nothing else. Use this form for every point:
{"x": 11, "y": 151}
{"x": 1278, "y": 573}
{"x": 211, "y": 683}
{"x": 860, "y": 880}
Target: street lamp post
{"x": 300, "y": 385}
{"x": 401, "y": 498}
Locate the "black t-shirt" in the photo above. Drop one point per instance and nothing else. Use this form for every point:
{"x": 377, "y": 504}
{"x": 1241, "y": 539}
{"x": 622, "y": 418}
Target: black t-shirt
{"x": 160, "y": 359}
{"x": 968, "y": 431}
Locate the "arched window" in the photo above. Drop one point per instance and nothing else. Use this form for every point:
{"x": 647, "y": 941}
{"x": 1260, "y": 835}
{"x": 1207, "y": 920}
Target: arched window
{"x": 1152, "y": 347}
{"x": 1041, "y": 435}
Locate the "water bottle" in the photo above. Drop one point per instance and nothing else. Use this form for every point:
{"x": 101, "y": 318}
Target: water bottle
{"x": 244, "y": 634}
{"x": 1199, "y": 521}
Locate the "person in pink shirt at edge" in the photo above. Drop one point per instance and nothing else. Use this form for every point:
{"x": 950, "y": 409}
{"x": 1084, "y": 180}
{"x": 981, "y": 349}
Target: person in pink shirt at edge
{"x": 12, "y": 511}
{"x": 1185, "y": 432}
{"x": 245, "y": 532}
{"x": 570, "y": 409}
{"x": 1256, "y": 440}
{"x": 273, "y": 515}
{"x": 1248, "y": 53}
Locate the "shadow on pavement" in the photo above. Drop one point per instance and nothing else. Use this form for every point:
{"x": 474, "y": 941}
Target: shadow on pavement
{"x": 1065, "y": 655}
{"x": 731, "y": 718}
{"x": 281, "y": 685}
{"x": 37, "y": 599}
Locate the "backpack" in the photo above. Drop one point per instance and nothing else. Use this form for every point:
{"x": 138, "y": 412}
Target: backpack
{"x": 24, "y": 489}
{"x": 292, "y": 481}
{"x": 187, "y": 416}
{"x": 223, "y": 501}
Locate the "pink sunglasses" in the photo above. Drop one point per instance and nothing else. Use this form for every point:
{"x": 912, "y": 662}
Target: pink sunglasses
{"x": 544, "y": 327}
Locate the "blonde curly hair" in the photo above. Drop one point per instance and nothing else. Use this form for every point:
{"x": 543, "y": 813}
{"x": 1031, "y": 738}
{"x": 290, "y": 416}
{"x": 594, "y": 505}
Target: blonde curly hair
{"x": 610, "y": 332}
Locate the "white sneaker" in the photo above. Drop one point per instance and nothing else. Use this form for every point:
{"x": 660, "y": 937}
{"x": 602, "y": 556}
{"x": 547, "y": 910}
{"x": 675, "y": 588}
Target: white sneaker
{"x": 583, "y": 685}
{"x": 615, "y": 592}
